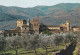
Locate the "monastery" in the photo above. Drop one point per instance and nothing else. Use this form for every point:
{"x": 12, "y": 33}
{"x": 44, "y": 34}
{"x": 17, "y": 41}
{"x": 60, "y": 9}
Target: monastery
{"x": 35, "y": 27}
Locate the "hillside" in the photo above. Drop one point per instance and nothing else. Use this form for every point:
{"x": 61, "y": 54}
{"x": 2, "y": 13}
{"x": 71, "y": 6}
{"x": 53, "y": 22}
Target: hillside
{"x": 20, "y": 13}
{"x": 51, "y": 15}
{"x": 62, "y": 16}
{"x": 58, "y": 7}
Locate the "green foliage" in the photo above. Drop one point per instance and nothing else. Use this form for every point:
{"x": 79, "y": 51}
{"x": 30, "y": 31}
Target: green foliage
{"x": 75, "y": 51}
{"x": 58, "y": 39}
{"x": 69, "y": 37}
{"x": 32, "y": 43}
{"x": 40, "y": 51}
{"x": 2, "y": 44}
{"x": 47, "y": 32}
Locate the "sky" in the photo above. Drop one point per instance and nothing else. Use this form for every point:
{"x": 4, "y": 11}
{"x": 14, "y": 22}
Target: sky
{"x": 32, "y": 3}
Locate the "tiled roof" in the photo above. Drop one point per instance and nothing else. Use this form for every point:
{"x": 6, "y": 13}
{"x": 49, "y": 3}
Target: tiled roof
{"x": 76, "y": 27}
{"x": 55, "y": 30}
{"x": 10, "y": 31}
{"x": 53, "y": 25}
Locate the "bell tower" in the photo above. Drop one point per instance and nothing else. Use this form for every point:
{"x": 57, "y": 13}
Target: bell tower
{"x": 35, "y": 24}
{"x": 68, "y": 25}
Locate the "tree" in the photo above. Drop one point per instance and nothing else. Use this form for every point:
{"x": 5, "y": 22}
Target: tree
{"x": 51, "y": 40}
{"x": 8, "y": 43}
{"x": 47, "y": 32}
{"x": 44, "y": 42}
{"x": 2, "y": 44}
{"x": 14, "y": 43}
{"x": 58, "y": 39}
{"x": 31, "y": 42}
{"x": 34, "y": 43}
{"x": 69, "y": 37}
{"x": 25, "y": 41}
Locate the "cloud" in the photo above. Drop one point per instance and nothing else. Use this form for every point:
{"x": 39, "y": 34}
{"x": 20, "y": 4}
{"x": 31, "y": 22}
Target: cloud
{"x": 32, "y": 3}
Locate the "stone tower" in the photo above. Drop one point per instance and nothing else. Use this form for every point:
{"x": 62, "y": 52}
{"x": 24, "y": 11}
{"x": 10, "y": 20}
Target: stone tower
{"x": 68, "y": 25}
{"x": 20, "y": 23}
{"x": 35, "y": 24}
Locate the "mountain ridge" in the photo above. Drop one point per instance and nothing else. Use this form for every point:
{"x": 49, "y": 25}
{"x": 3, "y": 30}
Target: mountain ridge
{"x": 52, "y": 15}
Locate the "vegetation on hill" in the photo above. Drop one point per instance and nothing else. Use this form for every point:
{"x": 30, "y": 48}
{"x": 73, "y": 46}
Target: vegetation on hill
{"x": 56, "y": 14}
